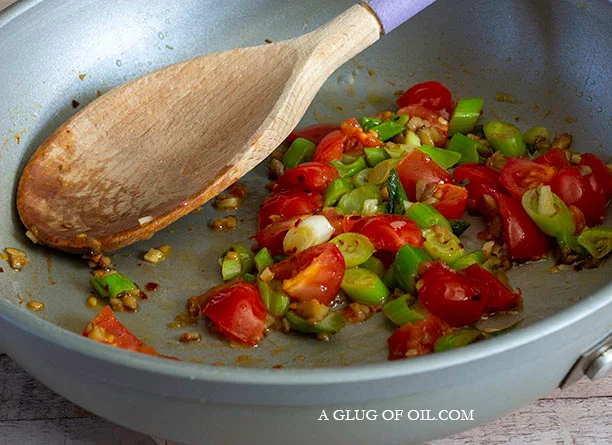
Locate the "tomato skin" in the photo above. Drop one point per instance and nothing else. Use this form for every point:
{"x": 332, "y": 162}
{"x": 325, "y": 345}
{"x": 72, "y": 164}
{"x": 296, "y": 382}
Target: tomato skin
{"x": 584, "y": 192}
{"x": 477, "y": 201}
{"x": 452, "y": 200}
{"x": 417, "y": 166}
{"x": 602, "y": 174}
{"x": 450, "y": 295}
{"x": 555, "y": 157}
{"x": 431, "y": 95}
{"x": 314, "y": 133}
{"x": 313, "y": 274}
{"x": 288, "y": 203}
{"x": 122, "y": 337}
{"x": 419, "y": 338}
{"x": 237, "y": 310}
{"x": 524, "y": 239}
{"x": 386, "y": 232}
{"x": 330, "y": 148}
{"x": 355, "y": 138}
{"x": 520, "y": 175}
{"x": 272, "y": 235}
{"x": 498, "y": 296}
{"x": 313, "y": 176}
{"x": 433, "y": 119}
{"x": 476, "y": 174}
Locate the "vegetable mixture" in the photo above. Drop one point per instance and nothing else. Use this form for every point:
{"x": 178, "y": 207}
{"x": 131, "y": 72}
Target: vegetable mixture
{"x": 366, "y": 217}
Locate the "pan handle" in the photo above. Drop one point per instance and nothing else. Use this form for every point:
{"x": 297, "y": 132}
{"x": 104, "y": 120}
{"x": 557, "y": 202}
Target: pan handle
{"x": 594, "y": 363}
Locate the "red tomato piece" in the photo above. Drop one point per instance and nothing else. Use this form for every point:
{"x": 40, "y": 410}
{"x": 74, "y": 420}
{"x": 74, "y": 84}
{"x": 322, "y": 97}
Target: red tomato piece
{"x": 432, "y": 118}
{"x": 330, "y": 148}
{"x": 498, "y": 296}
{"x": 450, "y": 295}
{"x": 452, "y": 200}
{"x": 313, "y": 274}
{"x": 386, "y": 232}
{"x": 419, "y": 338}
{"x": 236, "y": 309}
{"x": 584, "y": 192}
{"x": 484, "y": 198}
{"x": 524, "y": 239}
{"x": 314, "y": 133}
{"x": 313, "y": 176}
{"x": 555, "y": 157}
{"x": 271, "y": 236}
{"x": 520, "y": 175}
{"x": 355, "y": 138}
{"x": 431, "y": 95}
{"x": 476, "y": 174}
{"x": 578, "y": 218}
{"x": 602, "y": 174}
{"x": 417, "y": 166}
{"x": 286, "y": 204}
{"x": 105, "y": 328}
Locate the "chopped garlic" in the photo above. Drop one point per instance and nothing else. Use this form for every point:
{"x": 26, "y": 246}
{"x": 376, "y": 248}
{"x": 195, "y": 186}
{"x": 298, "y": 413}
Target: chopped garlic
{"x": 145, "y": 220}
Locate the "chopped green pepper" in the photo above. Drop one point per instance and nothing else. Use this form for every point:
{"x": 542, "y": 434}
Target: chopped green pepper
{"x": 398, "y": 151}
{"x": 458, "y": 338}
{"x": 389, "y": 278}
{"x": 425, "y": 215}
{"x": 379, "y": 174}
{"x": 397, "y": 194}
{"x": 375, "y": 265}
{"x": 465, "y": 116}
{"x": 368, "y": 123}
{"x": 475, "y": 257}
{"x": 537, "y": 138}
{"x": 401, "y": 119}
{"x": 406, "y": 266}
{"x": 466, "y": 147}
{"x": 300, "y": 150}
{"x": 353, "y": 201}
{"x": 348, "y": 170}
{"x": 441, "y": 156}
{"x": 330, "y": 324}
{"x": 112, "y": 284}
{"x": 231, "y": 267}
{"x": 404, "y": 309}
{"x": 336, "y": 190}
{"x": 263, "y": 259}
{"x": 355, "y": 248}
{"x": 597, "y": 241}
{"x": 505, "y": 138}
{"x": 374, "y": 155}
{"x": 364, "y": 286}
{"x": 361, "y": 178}
{"x": 273, "y": 297}
{"x": 249, "y": 277}
{"x": 441, "y": 243}
{"x": 246, "y": 257}
{"x": 458, "y": 226}
{"x": 387, "y": 130}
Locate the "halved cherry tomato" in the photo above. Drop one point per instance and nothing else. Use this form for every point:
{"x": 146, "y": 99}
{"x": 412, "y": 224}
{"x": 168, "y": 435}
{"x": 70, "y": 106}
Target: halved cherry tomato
{"x": 386, "y": 232}
{"x": 433, "y": 119}
{"x": 313, "y": 274}
{"x": 313, "y": 176}
{"x": 355, "y": 138}
{"x": 555, "y": 157}
{"x": 524, "y": 239}
{"x": 314, "y": 133}
{"x": 498, "y": 296}
{"x": 431, "y": 95}
{"x": 330, "y": 148}
{"x": 450, "y": 295}
{"x": 452, "y": 200}
{"x": 417, "y": 166}
{"x": 112, "y": 332}
{"x": 584, "y": 192}
{"x": 476, "y": 174}
{"x": 236, "y": 309}
{"x": 602, "y": 174}
{"x": 520, "y": 175}
{"x": 272, "y": 235}
{"x": 418, "y": 338}
{"x": 484, "y": 198}
{"x": 286, "y": 204}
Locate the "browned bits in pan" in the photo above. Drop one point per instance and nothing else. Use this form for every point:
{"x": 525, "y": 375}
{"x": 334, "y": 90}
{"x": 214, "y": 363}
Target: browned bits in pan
{"x": 190, "y": 337}
{"x": 35, "y": 306}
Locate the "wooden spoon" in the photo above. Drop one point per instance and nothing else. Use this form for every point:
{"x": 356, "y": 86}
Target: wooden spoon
{"x": 148, "y": 152}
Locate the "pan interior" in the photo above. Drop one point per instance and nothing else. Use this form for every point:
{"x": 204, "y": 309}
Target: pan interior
{"x": 57, "y": 52}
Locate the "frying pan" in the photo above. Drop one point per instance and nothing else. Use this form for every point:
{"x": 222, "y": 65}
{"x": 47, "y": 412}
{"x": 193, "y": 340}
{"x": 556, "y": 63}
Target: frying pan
{"x": 550, "y": 57}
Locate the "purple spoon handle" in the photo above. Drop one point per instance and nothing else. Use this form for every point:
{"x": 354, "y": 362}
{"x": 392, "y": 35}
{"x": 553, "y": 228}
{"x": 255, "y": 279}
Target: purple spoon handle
{"x": 393, "y": 13}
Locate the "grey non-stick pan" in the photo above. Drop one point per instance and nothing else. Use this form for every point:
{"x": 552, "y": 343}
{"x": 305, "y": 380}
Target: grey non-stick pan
{"x": 552, "y": 58}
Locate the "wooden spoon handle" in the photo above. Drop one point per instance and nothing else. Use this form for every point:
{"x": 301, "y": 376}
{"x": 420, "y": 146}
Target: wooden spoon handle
{"x": 393, "y": 13}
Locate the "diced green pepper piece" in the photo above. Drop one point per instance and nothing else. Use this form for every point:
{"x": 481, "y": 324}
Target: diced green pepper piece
{"x": 368, "y": 123}
{"x": 112, "y": 284}
{"x": 375, "y": 265}
{"x": 456, "y": 339}
{"x": 231, "y": 267}
{"x": 273, "y": 297}
{"x": 336, "y": 190}
{"x": 397, "y": 194}
{"x": 404, "y": 309}
{"x": 538, "y": 139}
{"x": 441, "y": 243}
{"x": 331, "y": 323}
{"x": 475, "y": 257}
{"x": 458, "y": 226}
{"x": 389, "y": 278}
{"x": 355, "y": 248}
{"x": 353, "y": 200}
{"x": 379, "y": 174}
{"x": 406, "y": 266}
{"x": 444, "y": 158}
{"x": 349, "y": 158}
{"x": 548, "y": 211}
{"x": 364, "y": 286}
{"x": 301, "y": 150}
{"x": 249, "y": 277}
{"x": 388, "y": 130}
{"x": 425, "y": 215}
{"x": 597, "y": 241}
{"x": 374, "y": 155}
{"x": 246, "y": 257}
{"x": 401, "y": 119}
{"x": 361, "y": 178}
{"x": 466, "y": 147}
{"x": 348, "y": 170}
{"x": 505, "y": 138}
{"x": 465, "y": 116}
{"x": 398, "y": 151}
{"x": 263, "y": 259}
